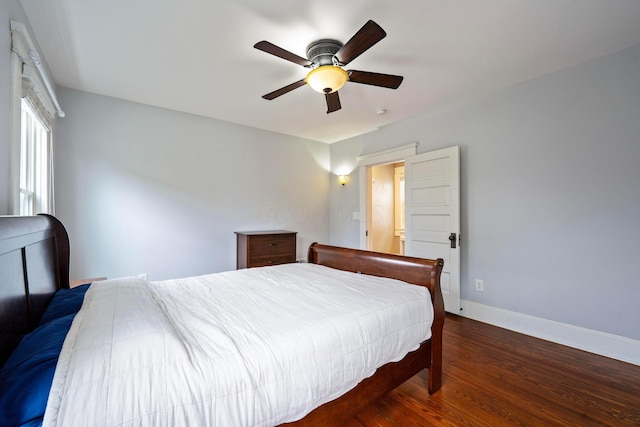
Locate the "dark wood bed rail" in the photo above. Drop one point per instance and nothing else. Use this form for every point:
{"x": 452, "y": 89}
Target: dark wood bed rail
{"x": 34, "y": 263}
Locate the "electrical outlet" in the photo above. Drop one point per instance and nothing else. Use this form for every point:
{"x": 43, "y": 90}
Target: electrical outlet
{"x": 479, "y": 285}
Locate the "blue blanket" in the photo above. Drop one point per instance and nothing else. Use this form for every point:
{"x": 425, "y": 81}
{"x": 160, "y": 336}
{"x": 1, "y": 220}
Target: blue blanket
{"x": 26, "y": 377}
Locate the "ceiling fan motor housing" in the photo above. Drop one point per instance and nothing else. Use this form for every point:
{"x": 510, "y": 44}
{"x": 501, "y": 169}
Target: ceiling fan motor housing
{"x": 321, "y": 52}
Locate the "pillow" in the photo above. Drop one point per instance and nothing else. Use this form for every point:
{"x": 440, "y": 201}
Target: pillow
{"x": 64, "y": 302}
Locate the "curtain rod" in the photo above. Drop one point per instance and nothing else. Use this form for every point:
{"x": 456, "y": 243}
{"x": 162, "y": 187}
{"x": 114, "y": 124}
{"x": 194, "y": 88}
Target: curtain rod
{"x": 35, "y": 58}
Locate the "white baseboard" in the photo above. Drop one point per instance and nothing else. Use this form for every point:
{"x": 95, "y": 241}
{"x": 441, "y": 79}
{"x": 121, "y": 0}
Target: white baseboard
{"x": 602, "y": 343}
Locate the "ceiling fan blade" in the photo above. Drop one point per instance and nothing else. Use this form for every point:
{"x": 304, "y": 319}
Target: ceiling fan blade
{"x": 333, "y": 102}
{"x": 376, "y": 79}
{"x": 370, "y": 34}
{"x": 271, "y": 48}
{"x": 276, "y": 93}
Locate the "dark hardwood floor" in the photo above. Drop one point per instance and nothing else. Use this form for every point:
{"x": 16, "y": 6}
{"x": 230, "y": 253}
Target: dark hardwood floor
{"x": 495, "y": 377}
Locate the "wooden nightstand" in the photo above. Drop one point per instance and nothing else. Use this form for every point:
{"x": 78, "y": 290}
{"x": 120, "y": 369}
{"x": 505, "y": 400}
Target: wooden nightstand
{"x": 262, "y": 248}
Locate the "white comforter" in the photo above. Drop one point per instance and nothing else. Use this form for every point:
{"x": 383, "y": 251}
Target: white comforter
{"x": 255, "y": 347}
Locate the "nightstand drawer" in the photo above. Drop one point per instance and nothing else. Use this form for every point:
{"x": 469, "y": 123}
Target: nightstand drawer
{"x": 274, "y": 260}
{"x": 272, "y": 244}
{"x": 262, "y": 248}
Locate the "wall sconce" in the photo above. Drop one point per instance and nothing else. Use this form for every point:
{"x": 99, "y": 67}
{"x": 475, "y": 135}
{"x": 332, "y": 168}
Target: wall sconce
{"x": 342, "y": 179}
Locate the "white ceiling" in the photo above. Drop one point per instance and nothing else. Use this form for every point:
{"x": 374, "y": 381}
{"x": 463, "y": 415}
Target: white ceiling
{"x": 197, "y": 56}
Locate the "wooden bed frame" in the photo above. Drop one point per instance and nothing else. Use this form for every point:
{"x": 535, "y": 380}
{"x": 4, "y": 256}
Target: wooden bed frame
{"x": 34, "y": 263}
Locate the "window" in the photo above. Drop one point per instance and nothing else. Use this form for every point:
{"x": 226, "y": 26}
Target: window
{"x": 35, "y": 163}
{"x": 33, "y": 105}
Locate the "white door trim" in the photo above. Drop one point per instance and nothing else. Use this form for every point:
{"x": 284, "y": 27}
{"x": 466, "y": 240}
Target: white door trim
{"x": 397, "y": 154}
{"x": 388, "y": 156}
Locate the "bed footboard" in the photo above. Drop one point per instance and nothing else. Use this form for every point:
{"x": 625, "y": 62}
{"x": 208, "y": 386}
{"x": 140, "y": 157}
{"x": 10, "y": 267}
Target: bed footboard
{"x": 419, "y": 271}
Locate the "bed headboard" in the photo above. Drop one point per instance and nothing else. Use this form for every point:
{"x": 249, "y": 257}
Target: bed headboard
{"x": 34, "y": 263}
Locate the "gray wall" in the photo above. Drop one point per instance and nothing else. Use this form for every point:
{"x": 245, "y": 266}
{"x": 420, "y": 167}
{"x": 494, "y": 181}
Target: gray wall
{"x": 550, "y": 192}
{"x": 550, "y": 187}
{"x": 148, "y": 190}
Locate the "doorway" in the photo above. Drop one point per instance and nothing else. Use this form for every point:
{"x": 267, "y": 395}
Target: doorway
{"x": 385, "y": 187}
{"x": 431, "y": 209}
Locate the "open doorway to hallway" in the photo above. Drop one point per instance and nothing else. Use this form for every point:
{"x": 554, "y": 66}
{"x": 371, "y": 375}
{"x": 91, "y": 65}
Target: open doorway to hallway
{"x": 385, "y": 211}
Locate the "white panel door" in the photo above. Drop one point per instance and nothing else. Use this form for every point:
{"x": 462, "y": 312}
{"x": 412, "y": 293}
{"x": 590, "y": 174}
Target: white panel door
{"x": 432, "y": 215}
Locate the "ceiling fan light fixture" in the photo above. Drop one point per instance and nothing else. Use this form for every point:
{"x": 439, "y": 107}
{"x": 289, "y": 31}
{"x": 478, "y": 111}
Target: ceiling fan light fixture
{"x": 327, "y": 78}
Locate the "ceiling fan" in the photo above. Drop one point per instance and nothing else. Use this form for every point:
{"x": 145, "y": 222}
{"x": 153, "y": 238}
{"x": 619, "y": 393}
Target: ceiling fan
{"x": 327, "y": 58}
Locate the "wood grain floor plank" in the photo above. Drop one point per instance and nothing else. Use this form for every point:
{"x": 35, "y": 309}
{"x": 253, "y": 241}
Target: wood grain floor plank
{"x": 496, "y": 377}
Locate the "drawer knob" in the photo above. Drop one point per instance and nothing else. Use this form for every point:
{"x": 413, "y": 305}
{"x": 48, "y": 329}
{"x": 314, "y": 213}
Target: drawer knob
{"x": 273, "y": 244}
